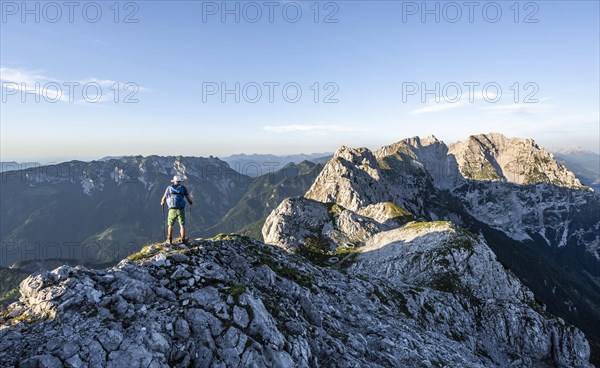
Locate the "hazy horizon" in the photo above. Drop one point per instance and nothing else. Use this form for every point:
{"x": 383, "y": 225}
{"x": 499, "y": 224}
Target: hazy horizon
{"x": 324, "y": 153}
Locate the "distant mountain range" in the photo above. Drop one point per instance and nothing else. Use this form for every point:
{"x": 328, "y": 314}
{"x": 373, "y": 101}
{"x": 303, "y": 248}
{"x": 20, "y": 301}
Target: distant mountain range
{"x": 583, "y": 163}
{"x": 13, "y": 165}
{"x": 259, "y": 164}
{"x": 100, "y": 211}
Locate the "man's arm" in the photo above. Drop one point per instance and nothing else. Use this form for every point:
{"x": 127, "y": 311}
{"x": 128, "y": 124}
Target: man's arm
{"x": 187, "y": 196}
{"x": 164, "y": 197}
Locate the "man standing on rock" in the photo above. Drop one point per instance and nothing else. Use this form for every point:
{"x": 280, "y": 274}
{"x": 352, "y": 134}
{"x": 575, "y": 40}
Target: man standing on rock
{"x": 175, "y": 196}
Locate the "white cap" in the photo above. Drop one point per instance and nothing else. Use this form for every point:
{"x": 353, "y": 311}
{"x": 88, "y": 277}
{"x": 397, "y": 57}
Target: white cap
{"x": 176, "y": 179}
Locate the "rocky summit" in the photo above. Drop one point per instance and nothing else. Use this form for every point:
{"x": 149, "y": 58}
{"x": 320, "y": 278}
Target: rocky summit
{"x": 423, "y": 295}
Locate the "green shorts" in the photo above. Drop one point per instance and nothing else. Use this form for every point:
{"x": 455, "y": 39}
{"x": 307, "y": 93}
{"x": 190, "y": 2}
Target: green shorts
{"x": 176, "y": 214}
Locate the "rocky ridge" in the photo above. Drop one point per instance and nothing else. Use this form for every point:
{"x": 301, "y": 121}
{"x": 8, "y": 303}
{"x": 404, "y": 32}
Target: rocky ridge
{"x": 233, "y": 302}
{"x": 510, "y": 184}
{"x": 483, "y": 157}
{"x": 550, "y": 216}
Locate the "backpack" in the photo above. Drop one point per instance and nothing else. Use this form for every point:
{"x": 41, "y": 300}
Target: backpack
{"x": 176, "y": 197}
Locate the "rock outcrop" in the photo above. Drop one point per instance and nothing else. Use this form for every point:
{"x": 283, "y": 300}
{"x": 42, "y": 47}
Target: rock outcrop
{"x": 496, "y": 314}
{"x": 301, "y": 222}
{"x": 351, "y": 179}
{"x": 549, "y": 217}
{"x": 496, "y": 157}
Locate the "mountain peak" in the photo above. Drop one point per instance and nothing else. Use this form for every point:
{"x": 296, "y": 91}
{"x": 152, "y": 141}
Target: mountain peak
{"x": 429, "y": 140}
{"x": 494, "y": 156}
{"x": 491, "y": 156}
{"x": 407, "y": 145}
{"x": 351, "y": 153}
{"x": 351, "y": 178}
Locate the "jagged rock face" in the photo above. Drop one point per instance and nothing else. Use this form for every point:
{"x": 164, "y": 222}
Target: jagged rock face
{"x": 351, "y": 179}
{"x": 501, "y": 313}
{"x": 294, "y": 220}
{"x": 483, "y": 157}
{"x": 356, "y": 178}
{"x": 441, "y": 256}
{"x": 558, "y": 217}
{"x": 235, "y": 302}
{"x": 302, "y": 222}
{"x": 429, "y": 154}
{"x": 496, "y": 157}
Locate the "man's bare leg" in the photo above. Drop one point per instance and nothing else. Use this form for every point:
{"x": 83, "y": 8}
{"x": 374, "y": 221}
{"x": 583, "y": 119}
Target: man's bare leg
{"x": 182, "y": 231}
{"x": 169, "y": 234}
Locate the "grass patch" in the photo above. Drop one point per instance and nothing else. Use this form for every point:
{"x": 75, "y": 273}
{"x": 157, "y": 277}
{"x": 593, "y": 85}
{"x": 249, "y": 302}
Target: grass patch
{"x": 429, "y": 225}
{"x": 9, "y": 296}
{"x": 237, "y": 290}
{"x": 148, "y": 250}
{"x": 287, "y": 272}
{"x": 392, "y": 212}
{"x": 234, "y": 291}
{"x": 232, "y": 236}
{"x": 396, "y": 211}
{"x": 23, "y": 318}
{"x": 315, "y": 249}
{"x": 333, "y": 209}
{"x": 392, "y": 298}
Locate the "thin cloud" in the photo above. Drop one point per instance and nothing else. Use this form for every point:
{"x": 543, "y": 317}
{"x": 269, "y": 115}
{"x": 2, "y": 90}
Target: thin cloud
{"x": 22, "y": 76}
{"x": 463, "y": 100}
{"x": 435, "y": 108}
{"x": 520, "y": 108}
{"x": 311, "y": 129}
{"x": 34, "y": 81}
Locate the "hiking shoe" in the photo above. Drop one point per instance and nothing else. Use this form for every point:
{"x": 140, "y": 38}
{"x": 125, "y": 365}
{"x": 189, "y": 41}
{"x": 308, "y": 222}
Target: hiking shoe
{"x": 184, "y": 240}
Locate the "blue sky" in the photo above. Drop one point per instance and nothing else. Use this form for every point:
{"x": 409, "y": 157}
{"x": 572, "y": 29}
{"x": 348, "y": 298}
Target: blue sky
{"x": 374, "y": 52}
